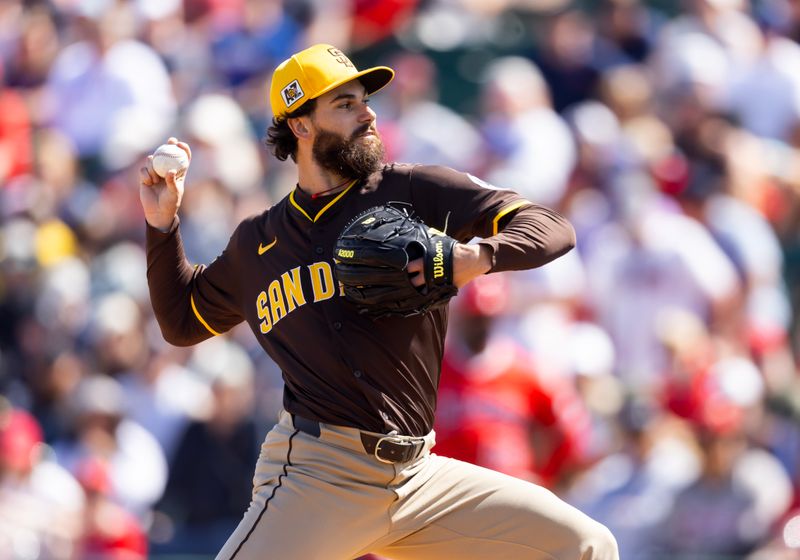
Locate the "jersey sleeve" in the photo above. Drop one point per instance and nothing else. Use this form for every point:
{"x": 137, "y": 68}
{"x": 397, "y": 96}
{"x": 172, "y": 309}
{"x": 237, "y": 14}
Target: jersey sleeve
{"x": 520, "y": 234}
{"x": 191, "y": 303}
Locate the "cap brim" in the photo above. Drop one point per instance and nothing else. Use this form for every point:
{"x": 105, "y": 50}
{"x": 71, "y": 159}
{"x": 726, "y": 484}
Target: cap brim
{"x": 374, "y": 79}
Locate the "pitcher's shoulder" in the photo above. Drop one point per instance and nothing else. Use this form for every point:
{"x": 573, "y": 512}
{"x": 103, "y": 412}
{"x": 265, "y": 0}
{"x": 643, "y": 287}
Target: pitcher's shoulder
{"x": 267, "y": 221}
{"x": 387, "y": 177}
{"x": 395, "y": 171}
{"x": 398, "y": 168}
{"x": 407, "y": 169}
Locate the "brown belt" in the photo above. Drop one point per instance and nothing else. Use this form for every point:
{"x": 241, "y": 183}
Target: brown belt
{"x": 389, "y": 448}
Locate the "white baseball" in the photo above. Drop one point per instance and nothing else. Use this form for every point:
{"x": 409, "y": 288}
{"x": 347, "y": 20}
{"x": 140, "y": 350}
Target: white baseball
{"x": 169, "y": 157}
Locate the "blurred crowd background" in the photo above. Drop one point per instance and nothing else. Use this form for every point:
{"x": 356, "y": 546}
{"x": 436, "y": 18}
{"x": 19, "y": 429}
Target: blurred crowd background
{"x": 650, "y": 377}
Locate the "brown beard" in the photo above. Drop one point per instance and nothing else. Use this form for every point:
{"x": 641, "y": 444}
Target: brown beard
{"x": 355, "y": 158}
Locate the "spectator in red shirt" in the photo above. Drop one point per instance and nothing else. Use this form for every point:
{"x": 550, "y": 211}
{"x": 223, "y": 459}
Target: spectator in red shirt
{"x": 495, "y": 409}
{"x": 16, "y": 149}
{"x": 110, "y": 532}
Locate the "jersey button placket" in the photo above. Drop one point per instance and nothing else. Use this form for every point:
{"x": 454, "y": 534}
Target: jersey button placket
{"x": 319, "y": 249}
{"x": 337, "y": 325}
{"x": 357, "y": 373}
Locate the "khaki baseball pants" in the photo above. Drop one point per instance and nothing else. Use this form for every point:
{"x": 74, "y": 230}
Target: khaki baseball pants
{"x": 325, "y": 498}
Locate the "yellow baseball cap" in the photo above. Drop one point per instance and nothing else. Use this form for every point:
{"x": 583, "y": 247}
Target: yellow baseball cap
{"x": 317, "y": 70}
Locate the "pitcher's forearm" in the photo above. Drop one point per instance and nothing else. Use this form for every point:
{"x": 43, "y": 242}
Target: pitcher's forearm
{"x": 169, "y": 278}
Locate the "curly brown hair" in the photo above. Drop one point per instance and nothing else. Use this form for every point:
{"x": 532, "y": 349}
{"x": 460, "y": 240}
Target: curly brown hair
{"x": 280, "y": 138}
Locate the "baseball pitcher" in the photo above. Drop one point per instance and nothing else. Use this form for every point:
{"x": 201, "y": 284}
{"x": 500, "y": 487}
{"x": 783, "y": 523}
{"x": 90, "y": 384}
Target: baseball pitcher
{"x": 345, "y": 284}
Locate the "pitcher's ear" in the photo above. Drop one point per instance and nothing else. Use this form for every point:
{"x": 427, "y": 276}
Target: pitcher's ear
{"x": 298, "y": 127}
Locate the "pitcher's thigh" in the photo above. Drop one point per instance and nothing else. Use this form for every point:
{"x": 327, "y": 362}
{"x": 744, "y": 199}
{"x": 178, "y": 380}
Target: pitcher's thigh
{"x": 476, "y": 513}
{"x": 301, "y": 518}
{"x": 303, "y": 509}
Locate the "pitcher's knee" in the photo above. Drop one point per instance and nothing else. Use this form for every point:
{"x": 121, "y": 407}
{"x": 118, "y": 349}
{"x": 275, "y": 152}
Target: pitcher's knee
{"x": 599, "y": 544}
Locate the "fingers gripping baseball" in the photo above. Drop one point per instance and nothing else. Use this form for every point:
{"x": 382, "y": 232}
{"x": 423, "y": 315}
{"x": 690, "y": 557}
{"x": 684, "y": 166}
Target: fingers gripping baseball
{"x": 161, "y": 182}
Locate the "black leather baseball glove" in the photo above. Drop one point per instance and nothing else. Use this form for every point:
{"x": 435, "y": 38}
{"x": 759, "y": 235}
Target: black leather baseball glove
{"x": 372, "y": 256}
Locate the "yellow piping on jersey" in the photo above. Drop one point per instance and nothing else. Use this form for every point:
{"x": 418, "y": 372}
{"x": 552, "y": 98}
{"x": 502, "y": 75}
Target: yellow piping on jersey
{"x": 331, "y": 203}
{"x": 200, "y": 317}
{"x": 507, "y": 210}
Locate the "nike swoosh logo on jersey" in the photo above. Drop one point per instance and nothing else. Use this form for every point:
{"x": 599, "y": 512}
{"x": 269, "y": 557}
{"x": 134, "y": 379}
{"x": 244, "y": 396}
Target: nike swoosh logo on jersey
{"x": 264, "y": 248}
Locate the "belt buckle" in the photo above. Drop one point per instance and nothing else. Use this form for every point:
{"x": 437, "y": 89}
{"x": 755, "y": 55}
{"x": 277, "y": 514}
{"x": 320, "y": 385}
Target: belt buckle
{"x": 402, "y": 441}
{"x": 378, "y": 448}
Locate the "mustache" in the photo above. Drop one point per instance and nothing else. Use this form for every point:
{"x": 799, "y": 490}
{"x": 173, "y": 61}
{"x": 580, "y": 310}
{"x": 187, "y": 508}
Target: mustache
{"x": 362, "y": 130}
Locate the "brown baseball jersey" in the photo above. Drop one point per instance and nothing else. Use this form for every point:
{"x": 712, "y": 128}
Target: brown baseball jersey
{"x": 341, "y": 367}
